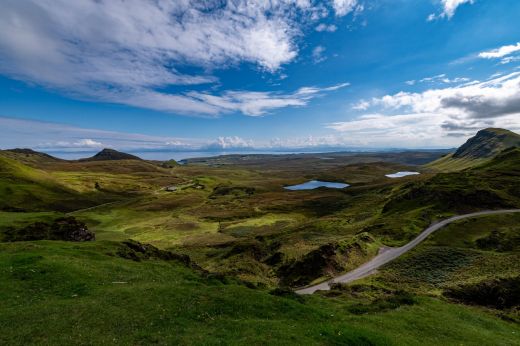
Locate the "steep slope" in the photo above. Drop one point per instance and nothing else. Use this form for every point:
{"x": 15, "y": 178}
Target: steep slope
{"x": 111, "y": 155}
{"x": 25, "y": 188}
{"x": 479, "y": 149}
{"x": 487, "y": 143}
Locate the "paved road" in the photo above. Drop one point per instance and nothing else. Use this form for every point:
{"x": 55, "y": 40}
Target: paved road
{"x": 392, "y": 253}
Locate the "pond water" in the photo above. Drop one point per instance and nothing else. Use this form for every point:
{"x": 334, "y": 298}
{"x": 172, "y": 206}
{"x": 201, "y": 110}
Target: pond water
{"x": 314, "y": 184}
{"x": 401, "y": 174}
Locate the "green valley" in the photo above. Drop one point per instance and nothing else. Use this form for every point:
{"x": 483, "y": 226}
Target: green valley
{"x": 212, "y": 249}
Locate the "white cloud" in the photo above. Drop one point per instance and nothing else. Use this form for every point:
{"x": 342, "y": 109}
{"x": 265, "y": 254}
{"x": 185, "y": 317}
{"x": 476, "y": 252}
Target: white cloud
{"x": 505, "y": 53}
{"x": 125, "y": 51}
{"x": 254, "y": 103}
{"x": 500, "y": 52}
{"x": 492, "y": 98}
{"x": 233, "y": 142}
{"x": 317, "y": 54}
{"x": 441, "y": 78}
{"x": 324, "y": 27}
{"x": 449, "y": 8}
{"x": 79, "y": 144}
{"x": 437, "y": 116}
{"x": 414, "y": 130}
{"x": 87, "y": 143}
{"x": 344, "y": 7}
{"x": 361, "y": 105}
{"x": 509, "y": 59}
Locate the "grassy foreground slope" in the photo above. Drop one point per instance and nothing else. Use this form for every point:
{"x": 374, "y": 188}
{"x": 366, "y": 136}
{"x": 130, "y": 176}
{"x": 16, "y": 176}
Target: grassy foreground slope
{"x": 91, "y": 293}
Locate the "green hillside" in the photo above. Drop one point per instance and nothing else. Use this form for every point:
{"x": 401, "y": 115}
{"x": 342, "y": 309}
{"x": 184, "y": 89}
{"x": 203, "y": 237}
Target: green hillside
{"x": 491, "y": 185}
{"x": 92, "y": 293}
{"x": 26, "y": 188}
{"x": 485, "y": 145}
{"x": 111, "y": 155}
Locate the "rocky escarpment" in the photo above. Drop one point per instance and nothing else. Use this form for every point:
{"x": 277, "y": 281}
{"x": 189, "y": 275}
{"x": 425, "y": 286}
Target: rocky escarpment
{"x": 65, "y": 228}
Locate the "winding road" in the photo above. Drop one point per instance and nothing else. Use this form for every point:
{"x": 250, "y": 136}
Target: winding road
{"x": 390, "y": 254}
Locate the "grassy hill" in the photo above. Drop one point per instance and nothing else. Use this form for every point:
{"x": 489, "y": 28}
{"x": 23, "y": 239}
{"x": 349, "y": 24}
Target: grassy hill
{"x": 26, "y": 188}
{"x": 485, "y": 145}
{"x": 92, "y": 293}
{"x": 111, "y": 155}
{"x": 490, "y": 185}
{"x": 29, "y": 156}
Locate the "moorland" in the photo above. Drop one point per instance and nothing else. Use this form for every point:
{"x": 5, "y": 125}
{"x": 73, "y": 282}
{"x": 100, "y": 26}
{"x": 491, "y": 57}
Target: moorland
{"x": 212, "y": 249}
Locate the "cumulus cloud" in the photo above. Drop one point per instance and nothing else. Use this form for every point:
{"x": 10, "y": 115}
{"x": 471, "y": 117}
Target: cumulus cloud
{"x": 492, "y": 98}
{"x": 324, "y": 27}
{"x": 234, "y": 142}
{"x": 317, "y": 54}
{"x": 438, "y": 115}
{"x": 85, "y": 143}
{"x": 449, "y": 7}
{"x": 419, "y": 130}
{"x": 129, "y": 51}
{"x": 344, "y": 7}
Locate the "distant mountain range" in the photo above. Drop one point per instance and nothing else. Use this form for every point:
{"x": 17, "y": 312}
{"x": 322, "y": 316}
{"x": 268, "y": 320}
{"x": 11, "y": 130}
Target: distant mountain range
{"x": 486, "y": 144}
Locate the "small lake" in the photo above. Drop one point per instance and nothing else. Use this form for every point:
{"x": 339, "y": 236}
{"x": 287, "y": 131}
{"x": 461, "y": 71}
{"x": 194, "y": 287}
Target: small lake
{"x": 401, "y": 174}
{"x": 314, "y": 184}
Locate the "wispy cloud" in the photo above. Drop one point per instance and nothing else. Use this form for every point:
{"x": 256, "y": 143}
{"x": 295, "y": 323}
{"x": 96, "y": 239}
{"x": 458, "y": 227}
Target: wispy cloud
{"x": 128, "y": 52}
{"x": 255, "y": 103}
{"x": 62, "y": 138}
{"x": 49, "y": 136}
{"x": 441, "y": 78}
{"x": 449, "y": 7}
{"x": 506, "y": 54}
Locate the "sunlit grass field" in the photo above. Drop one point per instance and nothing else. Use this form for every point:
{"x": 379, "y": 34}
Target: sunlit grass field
{"x": 63, "y": 293}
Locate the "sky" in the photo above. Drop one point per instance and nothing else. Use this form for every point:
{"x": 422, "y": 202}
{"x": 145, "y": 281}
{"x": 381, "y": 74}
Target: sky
{"x": 180, "y": 75}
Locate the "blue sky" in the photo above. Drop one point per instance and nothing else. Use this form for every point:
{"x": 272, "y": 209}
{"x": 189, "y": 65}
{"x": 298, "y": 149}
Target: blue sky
{"x": 192, "y": 75}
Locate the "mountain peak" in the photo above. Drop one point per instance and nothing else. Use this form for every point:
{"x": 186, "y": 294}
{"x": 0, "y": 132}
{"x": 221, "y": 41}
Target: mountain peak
{"x": 111, "y": 155}
{"x": 488, "y": 143}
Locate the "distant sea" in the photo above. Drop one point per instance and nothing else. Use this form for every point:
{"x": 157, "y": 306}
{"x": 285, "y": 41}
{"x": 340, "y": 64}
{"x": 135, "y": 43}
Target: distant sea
{"x": 165, "y": 155}
{"x": 177, "y": 156}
